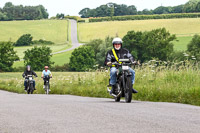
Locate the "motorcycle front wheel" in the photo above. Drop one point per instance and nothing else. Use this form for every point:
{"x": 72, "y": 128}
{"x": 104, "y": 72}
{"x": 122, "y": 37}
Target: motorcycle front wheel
{"x": 47, "y": 89}
{"x": 128, "y": 90}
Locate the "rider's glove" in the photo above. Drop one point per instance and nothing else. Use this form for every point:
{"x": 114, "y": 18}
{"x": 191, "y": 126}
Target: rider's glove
{"x": 109, "y": 63}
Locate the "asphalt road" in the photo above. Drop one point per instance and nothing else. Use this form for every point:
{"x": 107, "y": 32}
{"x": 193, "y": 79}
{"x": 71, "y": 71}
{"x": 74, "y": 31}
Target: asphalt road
{"x": 20, "y": 113}
{"x": 74, "y": 39}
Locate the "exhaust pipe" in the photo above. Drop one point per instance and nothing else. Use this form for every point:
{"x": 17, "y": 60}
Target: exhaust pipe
{"x": 112, "y": 93}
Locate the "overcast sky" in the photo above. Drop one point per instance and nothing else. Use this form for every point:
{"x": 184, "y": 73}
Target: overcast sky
{"x": 72, "y": 7}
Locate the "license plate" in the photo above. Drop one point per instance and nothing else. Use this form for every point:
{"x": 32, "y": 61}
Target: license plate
{"x": 125, "y": 67}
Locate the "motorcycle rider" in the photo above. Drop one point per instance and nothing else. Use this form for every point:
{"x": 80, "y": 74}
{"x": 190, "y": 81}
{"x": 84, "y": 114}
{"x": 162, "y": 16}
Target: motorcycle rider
{"x": 27, "y": 72}
{"x": 110, "y": 57}
{"x": 46, "y": 72}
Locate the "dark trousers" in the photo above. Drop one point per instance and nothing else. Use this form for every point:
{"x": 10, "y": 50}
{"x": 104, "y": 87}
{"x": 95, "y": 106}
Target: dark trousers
{"x": 26, "y": 83}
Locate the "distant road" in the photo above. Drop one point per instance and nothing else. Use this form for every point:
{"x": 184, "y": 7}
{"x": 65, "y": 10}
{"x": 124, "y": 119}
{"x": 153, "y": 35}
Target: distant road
{"x": 20, "y": 113}
{"x": 74, "y": 37}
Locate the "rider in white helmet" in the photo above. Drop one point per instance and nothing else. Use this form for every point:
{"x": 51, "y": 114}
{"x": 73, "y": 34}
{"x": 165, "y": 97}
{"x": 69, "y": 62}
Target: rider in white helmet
{"x": 120, "y": 52}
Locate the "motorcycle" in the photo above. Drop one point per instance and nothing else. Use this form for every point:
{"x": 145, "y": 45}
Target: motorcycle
{"x": 123, "y": 87}
{"x": 30, "y": 87}
{"x": 47, "y": 86}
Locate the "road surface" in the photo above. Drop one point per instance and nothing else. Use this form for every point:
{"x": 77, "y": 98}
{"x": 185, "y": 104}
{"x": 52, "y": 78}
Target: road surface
{"x": 20, "y": 113}
{"x": 74, "y": 39}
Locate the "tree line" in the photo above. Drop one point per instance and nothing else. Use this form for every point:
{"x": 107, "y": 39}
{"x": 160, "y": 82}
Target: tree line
{"x": 113, "y": 9}
{"x": 20, "y": 12}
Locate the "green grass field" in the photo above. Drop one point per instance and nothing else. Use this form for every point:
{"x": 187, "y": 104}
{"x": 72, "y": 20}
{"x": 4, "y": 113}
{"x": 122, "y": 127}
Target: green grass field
{"x": 183, "y": 28}
{"x": 159, "y": 84}
{"x": 50, "y": 30}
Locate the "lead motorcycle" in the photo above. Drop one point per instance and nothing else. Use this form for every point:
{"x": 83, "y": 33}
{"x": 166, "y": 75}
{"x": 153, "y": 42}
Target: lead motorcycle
{"x": 123, "y": 87}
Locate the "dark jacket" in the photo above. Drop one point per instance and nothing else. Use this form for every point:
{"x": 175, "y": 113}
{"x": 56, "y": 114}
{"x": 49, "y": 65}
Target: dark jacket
{"x": 122, "y": 54}
{"x": 29, "y": 73}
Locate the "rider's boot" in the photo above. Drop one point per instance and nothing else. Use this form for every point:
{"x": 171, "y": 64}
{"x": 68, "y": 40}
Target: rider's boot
{"x": 112, "y": 90}
{"x": 35, "y": 88}
{"x": 134, "y": 91}
{"x": 25, "y": 88}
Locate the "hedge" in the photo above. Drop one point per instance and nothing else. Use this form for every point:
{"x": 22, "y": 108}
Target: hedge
{"x": 145, "y": 17}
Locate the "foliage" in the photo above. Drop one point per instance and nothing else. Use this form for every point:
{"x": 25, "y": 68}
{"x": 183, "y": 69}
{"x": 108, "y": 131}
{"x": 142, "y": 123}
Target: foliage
{"x": 12, "y": 12}
{"x": 44, "y": 42}
{"x": 7, "y": 56}
{"x": 100, "y": 48}
{"x": 63, "y": 68}
{"x": 194, "y": 47}
{"x": 60, "y": 16}
{"x": 24, "y": 40}
{"x": 146, "y": 17}
{"x": 155, "y": 44}
{"x": 38, "y": 57}
{"x": 82, "y": 59}
{"x": 192, "y": 6}
{"x": 110, "y": 9}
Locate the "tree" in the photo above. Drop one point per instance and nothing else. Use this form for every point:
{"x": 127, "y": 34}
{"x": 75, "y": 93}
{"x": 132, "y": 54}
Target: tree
{"x": 20, "y": 12}
{"x": 100, "y": 48}
{"x": 112, "y": 12}
{"x": 194, "y": 47}
{"x": 177, "y": 9}
{"x": 162, "y": 10}
{"x": 24, "y": 40}
{"x": 190, "y": 6}
{"x": 103, "y": 49}
{"x": 82, "y": 59}
{"x": 60, "y": 16}
{"x": 147, "y": 12}
{"x": 149, "y": 45}
{"x": 38, "y": 57}
{"x": 84, "y": 12}
{"x": 7, "y": 56}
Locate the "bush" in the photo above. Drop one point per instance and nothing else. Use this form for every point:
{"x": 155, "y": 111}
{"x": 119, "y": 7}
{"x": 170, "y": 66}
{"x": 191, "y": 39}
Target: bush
{"x": 194, "y": 47}
{"x": 38, "y": 57}
{"x": 7, "y": 56}
{"x": 44, "y": 42}
{"x": 64, "y": 68}
{"x": 24, "y": 40}
{"x": 82, "y": 59}
{"x": 81, "y": 21}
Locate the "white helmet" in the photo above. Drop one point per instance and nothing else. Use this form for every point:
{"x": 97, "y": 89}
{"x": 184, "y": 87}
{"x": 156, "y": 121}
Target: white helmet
{"x": 117, "y": 40}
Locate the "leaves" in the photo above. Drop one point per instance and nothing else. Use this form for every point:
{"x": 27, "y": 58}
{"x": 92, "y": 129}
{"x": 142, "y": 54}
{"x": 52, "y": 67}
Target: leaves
{"x": 7, "y": 56}
{"x": 148, "y": 45}
{"x": 38, "y": 57}
{"x": 82, "y": 59}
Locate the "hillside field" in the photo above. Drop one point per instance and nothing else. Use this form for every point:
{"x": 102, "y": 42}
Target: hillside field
{"x": 57, "y": 31}
{"x": 183, "y": 28}
{"x": 50, "y": 30}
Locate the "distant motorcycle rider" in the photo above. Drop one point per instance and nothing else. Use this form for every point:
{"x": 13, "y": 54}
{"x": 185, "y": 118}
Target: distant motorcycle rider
{"x": 120, "y": 53}
{"x": 27, "y": 72}
{"x": 45, "y": 73}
